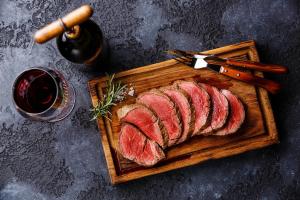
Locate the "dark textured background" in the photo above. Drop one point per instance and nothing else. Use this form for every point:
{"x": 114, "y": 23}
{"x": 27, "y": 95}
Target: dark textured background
{"x": 64, "y": 160}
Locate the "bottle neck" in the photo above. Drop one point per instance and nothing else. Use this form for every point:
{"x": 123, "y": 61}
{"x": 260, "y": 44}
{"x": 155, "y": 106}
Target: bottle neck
{"x": 73, "y": 33}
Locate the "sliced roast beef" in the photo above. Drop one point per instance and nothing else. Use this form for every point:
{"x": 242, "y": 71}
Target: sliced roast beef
{"x": 165, "y": 110}
{"x": 182, "y": 100}
{"x": 134, "y": 145}
{"x": 236, "y": 115}
{"x": 201, "y": 103}
{"x": 146, "y": 121}
{"x": 220, "y": 109}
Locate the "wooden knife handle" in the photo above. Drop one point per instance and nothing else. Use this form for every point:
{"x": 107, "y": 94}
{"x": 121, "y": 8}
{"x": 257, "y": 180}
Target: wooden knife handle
{"x": 269, "y": 85}
{"x": 58, "y": 27}
{"x": 276, "y": 69}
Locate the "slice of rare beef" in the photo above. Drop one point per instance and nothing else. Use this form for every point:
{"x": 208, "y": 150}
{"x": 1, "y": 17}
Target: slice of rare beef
{"x": 134, "y": 146}
{"x": 201, "y": 103}
{"x": 236, "y": 115}
{"x": 182, "y": 100}
{"x": 220, "y": 109}
{"x": 165, "y": 110}
{"x": 146, "y": 121}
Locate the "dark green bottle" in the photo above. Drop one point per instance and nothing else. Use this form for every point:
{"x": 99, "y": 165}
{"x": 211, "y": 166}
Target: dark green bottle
{"x": 79, "y": 39}
{"x": 83, "y": 43}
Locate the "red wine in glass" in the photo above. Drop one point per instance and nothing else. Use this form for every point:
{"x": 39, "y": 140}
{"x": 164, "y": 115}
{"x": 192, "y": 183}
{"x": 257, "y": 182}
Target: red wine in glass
{"x": 43, "y": 94}
{"x": 35, "y": 91}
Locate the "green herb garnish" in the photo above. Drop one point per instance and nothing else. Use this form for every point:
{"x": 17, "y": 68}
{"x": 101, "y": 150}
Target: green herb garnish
{"x": 114, "y": 93}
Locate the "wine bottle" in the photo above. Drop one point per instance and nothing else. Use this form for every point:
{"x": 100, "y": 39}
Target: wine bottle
{"x": 82, "y": 43}
{"x": 79, "y": 39}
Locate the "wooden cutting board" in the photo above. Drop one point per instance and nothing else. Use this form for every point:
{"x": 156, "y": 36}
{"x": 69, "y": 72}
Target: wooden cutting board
{"x": 259, "y": 129}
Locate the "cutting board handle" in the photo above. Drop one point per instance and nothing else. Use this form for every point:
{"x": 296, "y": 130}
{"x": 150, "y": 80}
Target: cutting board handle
{"x": 61, "y": 25}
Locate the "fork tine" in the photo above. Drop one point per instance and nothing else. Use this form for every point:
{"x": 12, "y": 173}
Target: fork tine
{"x": 173, "y": 53}
{"x": 187, "y": 59}
{"x": 179, "y": 53}
{"x": 183, "y": 62}
{"x": 177, "y": 59}
{"x": 181, "y": 56}
{"x": 184, "y": 53}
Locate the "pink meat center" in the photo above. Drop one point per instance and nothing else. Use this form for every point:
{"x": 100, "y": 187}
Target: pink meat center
{"x": 165, "y": 111}
{"x": 146, "y": 122}
{"x": 182, "y": 105}
{"x": 199, "y": 101}
{"x": 132, "y": 142}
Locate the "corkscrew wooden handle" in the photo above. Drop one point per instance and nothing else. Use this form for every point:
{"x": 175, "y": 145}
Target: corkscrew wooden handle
{"x": 59, "y": 26}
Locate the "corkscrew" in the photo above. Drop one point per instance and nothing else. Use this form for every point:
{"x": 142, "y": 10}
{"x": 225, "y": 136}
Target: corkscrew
{"x": 79, "y": 39}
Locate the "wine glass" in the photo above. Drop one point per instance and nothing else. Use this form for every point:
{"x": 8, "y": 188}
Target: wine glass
{"x": 43, "y": 94}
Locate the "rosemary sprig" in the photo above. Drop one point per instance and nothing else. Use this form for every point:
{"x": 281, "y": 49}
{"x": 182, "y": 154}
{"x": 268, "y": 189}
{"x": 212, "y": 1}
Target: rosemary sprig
{"x": 114, "y": 90}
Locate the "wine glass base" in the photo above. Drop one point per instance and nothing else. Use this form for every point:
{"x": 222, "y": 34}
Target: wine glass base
{"x": 69, "y": 105}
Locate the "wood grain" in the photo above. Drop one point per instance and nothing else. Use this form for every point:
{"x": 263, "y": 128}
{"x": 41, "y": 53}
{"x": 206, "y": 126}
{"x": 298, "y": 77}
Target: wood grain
{"x": 258, "y": 131}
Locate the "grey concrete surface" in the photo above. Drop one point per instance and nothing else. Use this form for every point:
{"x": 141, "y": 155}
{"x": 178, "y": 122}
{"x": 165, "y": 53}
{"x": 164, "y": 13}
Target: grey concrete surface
{"x": 64, "y": 160}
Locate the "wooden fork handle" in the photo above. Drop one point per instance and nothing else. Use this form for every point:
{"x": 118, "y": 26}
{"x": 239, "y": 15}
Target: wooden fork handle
{"x": 269, "y": 85}
{"x": 276, "y": 69}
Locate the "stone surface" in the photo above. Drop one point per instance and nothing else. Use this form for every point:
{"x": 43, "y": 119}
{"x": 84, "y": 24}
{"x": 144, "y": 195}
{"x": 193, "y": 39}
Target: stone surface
{"x": 65, "y": 160}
